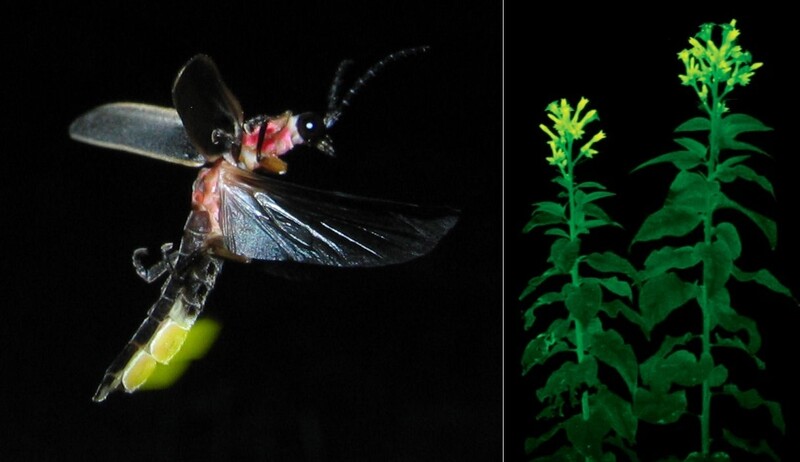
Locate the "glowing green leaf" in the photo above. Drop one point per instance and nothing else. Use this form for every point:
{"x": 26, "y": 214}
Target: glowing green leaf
{"x": 667, "y": 258}
{"x": 690, "y": 197}
{"x": 742, "y": 123}
{"x": 763, "y": 277}
{"x": 669, "y": 343}
{"x": 668, "y": 221}
{"x": 531, "y": 444}
{"x": 693, "y": 145}
{"x": 718, "y": 375}
{"x": 561, "y": 181}
{"x": 742, "y": 146}
{"x": 733, "y": 125}
{"x": 615, "y": 307}
{"x": 734, "y": 322}
{"x": 692, "y": 191}
{"x": 659, "y": 407}
{"x": 584, "y": 301}
{"x": 590, "y": 184}
{"x": 538, "y": 351}
{"x": 616, "y": 286}
{"x": 717, "y": 265}
{"x": 616, "y": 412}
{"x": 583, "y": 198}
{"x": 609, "y": 262}
{"x": 766, "y": 225}
{"x": 729, "y": 174}
{"x": 569, "y": 378}
{"x": 693, "y": 155}
{"x": 751, "y": 399}
{"x": 541, "y": 219}
{"x": 535, "y": 282}
{"x": 684, "y": 160}
{"x": 565, "y": 453}
{"x": 609, "y": 347}
{"x": 718, "y": 456}
{"x": 592, "y": 210}
{"x": 695, "y": 125}
{"x": 663, "y": 294}
{"x": 736, "y": 342}
{"x": 558, "y": 232}
{"x": 544, "y": 299}
{"x": 680, "y": 367}
{"x": 727, "y": 234}
{"x": 761, "y": 448}
{"x": 587, "y": 435}
{"x": 667, "y": 346}
{"x": 545, "y": 213}
{"x": 591, "y": 224}
{"x": 553, "y": 208}
{"x": 563, "y": 254}
{"x": 732, "y": 161}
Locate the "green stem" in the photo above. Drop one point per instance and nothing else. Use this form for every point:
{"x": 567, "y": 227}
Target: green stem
{"x": 708, "y": 228}
{"x": 580, "y": 328}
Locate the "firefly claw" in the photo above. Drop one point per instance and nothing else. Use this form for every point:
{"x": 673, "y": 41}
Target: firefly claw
{"x": 159, "y": 268}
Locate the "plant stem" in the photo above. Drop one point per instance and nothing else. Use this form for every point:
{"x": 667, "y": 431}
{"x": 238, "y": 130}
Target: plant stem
{"x": 715, "y": 114}
{"x": 580, "y": 328}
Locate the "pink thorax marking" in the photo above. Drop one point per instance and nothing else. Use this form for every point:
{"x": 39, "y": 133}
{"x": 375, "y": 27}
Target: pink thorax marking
{"x": 205, "y": 195}
{"x": 280, "y": 136}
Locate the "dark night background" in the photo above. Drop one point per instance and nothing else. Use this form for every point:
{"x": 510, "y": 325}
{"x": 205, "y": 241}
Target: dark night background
{"x": 413, "y": 362}
{"x": 399, "y": 363}
{"x": 626, "y": 63}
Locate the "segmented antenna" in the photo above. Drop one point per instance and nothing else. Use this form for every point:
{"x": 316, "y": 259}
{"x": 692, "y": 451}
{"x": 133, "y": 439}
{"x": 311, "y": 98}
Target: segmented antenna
{"x": 333, "y": 95}
{"x": 335, "y": 107}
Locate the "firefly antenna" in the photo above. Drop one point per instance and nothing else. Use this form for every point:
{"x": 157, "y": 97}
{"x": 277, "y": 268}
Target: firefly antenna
{"x": 336, "y": 105}
{"x": 333, "y": 95}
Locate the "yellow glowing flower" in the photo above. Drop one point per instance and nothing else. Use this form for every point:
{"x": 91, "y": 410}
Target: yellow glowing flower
{"x": 568, "y": 126}
{"x": 722, "y": 66}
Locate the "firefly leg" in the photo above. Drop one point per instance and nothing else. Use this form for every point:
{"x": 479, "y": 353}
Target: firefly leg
{"x": 157, "y": 269}
{"x": 253, "y": 122}
{"x": 219, "y": 136}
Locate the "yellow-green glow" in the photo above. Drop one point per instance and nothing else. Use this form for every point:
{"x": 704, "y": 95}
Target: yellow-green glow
{"x": 568, "y": 126}
{"x": 197, "y": 343}
{"x": 138, "y": 370}
{"x": 167, "y": 341}
{"x": 719, "y": 66}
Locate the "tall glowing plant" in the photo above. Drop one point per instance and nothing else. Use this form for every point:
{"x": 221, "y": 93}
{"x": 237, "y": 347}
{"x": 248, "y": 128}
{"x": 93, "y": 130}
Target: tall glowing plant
{"x": 599, "y": 422}
{"x": 592, "y": 415}
{"x": 709, "y": 163}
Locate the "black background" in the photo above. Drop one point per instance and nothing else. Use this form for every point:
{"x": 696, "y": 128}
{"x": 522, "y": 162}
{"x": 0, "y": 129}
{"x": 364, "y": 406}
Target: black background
{"x": 625, "y": 62}
{"x": 401, "y": 363}
{"x": 398, "y": 363}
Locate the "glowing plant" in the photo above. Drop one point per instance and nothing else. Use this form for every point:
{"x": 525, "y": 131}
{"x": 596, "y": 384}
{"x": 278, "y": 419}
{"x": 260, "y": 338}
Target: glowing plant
{"x": 589, "y": 412}
{"x": 599, "y": 423}
{"x": 699, "y": 273}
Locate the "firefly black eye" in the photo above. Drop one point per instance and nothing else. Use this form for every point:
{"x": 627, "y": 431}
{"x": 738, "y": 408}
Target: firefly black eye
{"x": 310, "y": 126}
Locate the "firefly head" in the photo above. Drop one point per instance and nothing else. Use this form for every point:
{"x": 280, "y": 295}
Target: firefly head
{"x": 312, "y": 130}
{"x": 264, "y": 139}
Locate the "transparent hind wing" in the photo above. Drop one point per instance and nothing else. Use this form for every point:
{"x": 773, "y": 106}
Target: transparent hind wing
{"x": 266, "y": 219}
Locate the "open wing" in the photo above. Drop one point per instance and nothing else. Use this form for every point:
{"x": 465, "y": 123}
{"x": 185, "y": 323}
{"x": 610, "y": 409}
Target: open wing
{"x": 143, "y": 129}
{"x": 267, "y": 219}
{"x": 205, "y": 104}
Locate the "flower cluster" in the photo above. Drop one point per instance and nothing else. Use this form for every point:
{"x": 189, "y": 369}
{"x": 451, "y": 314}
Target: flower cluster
{"x": 716, "y": 69}
{"x": 569, "y": 127}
